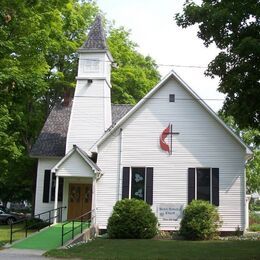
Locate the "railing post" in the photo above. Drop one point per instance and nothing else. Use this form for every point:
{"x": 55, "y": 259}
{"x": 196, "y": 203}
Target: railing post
{"x": 62, "y": 234}
{"x": 49, "y": 218}
{"x": 26, "y": 227}
{"x": 81, "y": 225}
{"x": 72, "y": 229}
{"x": 11, "y": 233}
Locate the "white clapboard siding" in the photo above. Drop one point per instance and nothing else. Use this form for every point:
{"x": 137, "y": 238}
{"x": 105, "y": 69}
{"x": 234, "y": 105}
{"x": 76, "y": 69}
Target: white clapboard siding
{"x": 75, "y": 166}
{"x": 91, "y": 109}
{"x": 43, "y": 164}
{"x": 202, "y": 142}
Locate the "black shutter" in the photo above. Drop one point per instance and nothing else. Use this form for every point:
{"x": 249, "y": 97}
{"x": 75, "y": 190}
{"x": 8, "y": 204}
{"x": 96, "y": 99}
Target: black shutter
{"x": 46, "y": 187}
{"x": 60, "y": 194}
{"x": 215, "y": 186}
{"x": 53, "y": 183}
{"x": 149, "y": 185}
{"x": 191, "y": 184}
{"x": 125, "y": 184}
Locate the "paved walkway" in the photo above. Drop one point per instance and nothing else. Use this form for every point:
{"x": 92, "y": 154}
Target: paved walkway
{"x": 21, "y": 254}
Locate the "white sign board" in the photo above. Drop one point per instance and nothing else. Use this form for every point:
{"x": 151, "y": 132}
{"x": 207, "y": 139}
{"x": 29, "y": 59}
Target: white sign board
{"x": 170, "y": 211}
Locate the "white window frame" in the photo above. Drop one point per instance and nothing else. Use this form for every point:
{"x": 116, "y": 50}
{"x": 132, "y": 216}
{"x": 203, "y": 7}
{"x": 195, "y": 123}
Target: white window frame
{"x": 210, "y": 182}
{"x": 130, "y": 181}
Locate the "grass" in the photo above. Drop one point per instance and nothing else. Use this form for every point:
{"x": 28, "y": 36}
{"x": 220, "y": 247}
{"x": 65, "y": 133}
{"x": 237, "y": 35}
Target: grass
{"x": 5, "y": 233}
{"x": 48, "y": 238}
{"x": 161, "y": 249}
{"x": 254, "y": 221}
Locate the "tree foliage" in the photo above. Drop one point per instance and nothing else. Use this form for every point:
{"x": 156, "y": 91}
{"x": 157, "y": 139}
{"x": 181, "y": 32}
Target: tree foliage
{"x": 36, "y": 41}
{"x": 135, "y": 74}
{"x": 234, "y": 26}
{"x": 38, "y": 64}
{"x": 251, "y": 138}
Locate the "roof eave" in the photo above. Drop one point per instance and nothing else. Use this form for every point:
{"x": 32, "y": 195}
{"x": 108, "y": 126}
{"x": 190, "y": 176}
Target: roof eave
{"x": 154, "y": 90}
{"x": 84, "y": 50}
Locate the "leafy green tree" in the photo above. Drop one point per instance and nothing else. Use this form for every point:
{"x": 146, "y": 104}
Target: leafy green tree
{"x": 135, "y": 74}
{"x": 36, "y": 39}
{"x": 38, "y": 63}
{"x": 234, "y": 26}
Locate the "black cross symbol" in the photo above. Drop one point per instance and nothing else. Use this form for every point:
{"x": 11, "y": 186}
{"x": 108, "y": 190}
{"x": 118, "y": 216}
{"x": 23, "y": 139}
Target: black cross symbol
{"x": 171, "y": 133}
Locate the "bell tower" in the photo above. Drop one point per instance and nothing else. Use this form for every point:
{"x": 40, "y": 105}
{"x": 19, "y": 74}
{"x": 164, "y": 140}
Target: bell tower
{"x": 91, "y": 109}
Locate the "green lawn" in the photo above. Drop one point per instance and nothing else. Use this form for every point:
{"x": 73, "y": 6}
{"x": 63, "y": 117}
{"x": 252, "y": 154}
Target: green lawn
{"x": 5, "y": 233}
{"x": 161, "y": 249}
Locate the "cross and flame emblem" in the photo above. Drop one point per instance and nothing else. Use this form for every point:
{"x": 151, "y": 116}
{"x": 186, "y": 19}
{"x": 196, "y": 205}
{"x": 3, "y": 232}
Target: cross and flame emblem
{"x": 163, "y": 144}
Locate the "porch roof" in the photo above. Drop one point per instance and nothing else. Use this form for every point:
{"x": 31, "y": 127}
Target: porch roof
{"x": 83, "y": 155}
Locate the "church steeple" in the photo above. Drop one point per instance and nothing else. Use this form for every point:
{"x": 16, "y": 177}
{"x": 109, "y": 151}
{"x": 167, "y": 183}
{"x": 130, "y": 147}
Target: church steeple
{"x": 91, "y": 109}
{"x": 96, "y": 37}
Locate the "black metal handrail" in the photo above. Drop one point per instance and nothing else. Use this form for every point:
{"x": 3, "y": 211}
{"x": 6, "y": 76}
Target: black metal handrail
{"x": 82, "y": 220}
{"x": 38, "y": 224}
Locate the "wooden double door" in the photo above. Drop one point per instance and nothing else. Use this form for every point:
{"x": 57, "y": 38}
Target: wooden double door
{"x": 80, "y": 200}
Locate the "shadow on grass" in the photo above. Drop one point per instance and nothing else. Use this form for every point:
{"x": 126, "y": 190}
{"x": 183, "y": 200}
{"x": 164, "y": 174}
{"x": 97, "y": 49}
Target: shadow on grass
{"x": 161, "y": 249}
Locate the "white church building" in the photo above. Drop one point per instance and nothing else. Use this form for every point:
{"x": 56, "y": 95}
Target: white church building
{"x": 168, "y": 149}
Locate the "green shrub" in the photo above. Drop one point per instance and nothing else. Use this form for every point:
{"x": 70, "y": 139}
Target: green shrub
{"x": 132, "y": 218}
{"x": 36, "y": 223}
{"x": 254, "y": 218}
{"x": 255, "y": 227}
{"x": 200, "y": 221}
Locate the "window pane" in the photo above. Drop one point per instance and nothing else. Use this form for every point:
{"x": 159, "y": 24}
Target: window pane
{"x": 138, "y": 183}
{"x": 203, "y": 184}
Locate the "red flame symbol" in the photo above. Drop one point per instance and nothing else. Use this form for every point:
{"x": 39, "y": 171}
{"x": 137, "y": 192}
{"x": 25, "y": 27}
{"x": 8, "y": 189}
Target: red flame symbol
{"x": 164, "y": 134}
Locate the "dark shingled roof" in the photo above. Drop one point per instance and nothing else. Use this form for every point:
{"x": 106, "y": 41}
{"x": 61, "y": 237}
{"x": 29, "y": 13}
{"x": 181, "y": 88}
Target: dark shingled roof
{"x": 96, "y": 37}
{"x": 52, "y": 139}
{"x": 118, "y": 111}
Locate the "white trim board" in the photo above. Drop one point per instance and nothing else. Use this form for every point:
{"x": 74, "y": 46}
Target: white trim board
{"x": 174, "y": 75}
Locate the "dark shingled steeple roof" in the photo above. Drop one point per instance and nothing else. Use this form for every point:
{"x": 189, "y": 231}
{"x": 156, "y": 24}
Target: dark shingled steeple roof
{"x": 96, "y": 37}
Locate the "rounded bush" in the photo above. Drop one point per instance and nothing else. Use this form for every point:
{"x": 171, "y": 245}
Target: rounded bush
{"x": 132, "y": 218}
{"x": 200, "y": 221}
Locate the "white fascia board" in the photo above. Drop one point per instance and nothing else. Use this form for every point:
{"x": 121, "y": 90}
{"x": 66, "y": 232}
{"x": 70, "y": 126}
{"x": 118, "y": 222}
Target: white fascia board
{"x": 189, "y": 89}
{"x": 211, "y": 112}
{"x": 93, "y": 166}
{"x": 132, "y": 111}
{"x": 56, "y": 166}
{"x": 67, "y": 156}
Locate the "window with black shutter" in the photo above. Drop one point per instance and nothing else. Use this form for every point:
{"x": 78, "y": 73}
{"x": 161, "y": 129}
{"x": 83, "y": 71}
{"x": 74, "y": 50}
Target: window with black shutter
{"x": 138, "y": 183}
{"x": 203, "y": 184}
{"x": 46, "y": 186}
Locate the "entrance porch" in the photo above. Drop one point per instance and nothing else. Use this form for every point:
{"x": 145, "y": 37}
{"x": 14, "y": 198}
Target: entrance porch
{"x": 79, "y": 174}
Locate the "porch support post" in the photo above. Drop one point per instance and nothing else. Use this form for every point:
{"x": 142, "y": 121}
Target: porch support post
{"x": 56, "y": 200}
{"x": 93, "y": 215}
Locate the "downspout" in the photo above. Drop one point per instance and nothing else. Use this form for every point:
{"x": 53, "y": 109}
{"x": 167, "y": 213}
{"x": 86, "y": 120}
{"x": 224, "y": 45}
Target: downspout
{"x": 120, "y": 164}
{"x": 94, "y": 201}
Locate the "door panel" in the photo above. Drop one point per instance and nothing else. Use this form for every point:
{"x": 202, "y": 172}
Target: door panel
{"x": 87, "y": 199}
{"x": 80, "y": 199}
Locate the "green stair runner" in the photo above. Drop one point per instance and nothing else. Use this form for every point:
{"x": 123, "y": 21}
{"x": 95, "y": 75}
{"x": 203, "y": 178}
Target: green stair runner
{"x": 48, "y": 238}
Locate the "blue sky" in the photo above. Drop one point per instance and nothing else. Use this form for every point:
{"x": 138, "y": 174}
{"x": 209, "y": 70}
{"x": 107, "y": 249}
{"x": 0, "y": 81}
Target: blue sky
{"x": 153, "y": 28}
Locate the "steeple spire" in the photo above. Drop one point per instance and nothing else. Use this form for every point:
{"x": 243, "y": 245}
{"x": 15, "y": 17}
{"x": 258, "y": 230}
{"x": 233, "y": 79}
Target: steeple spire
{"x": 96, "y": 37}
